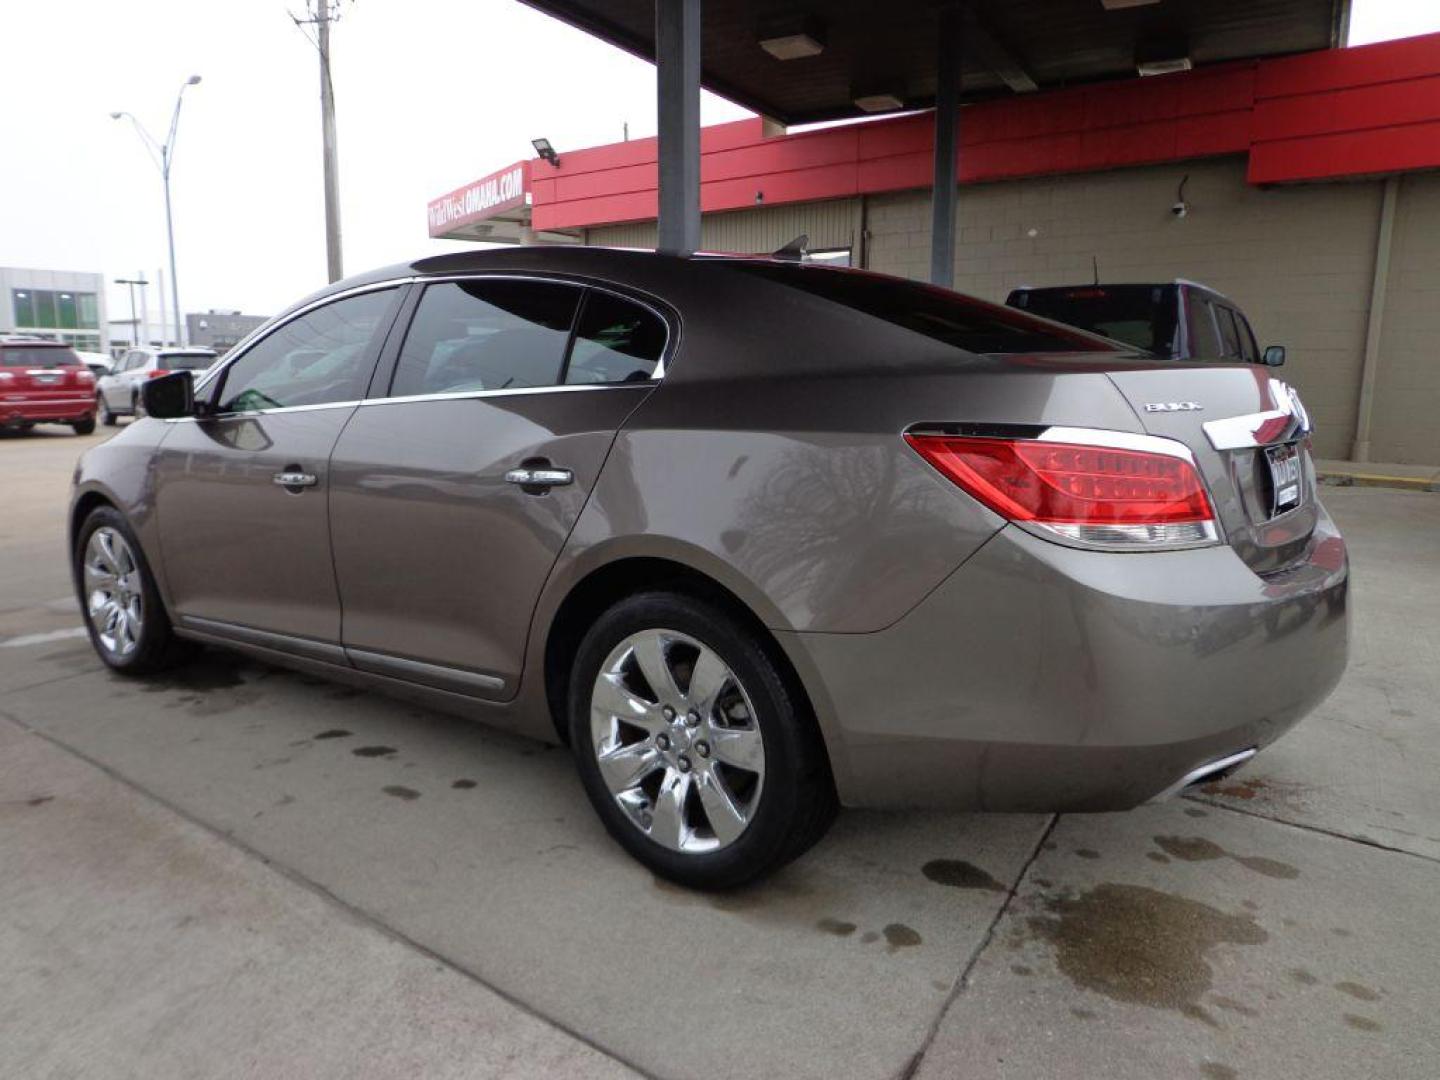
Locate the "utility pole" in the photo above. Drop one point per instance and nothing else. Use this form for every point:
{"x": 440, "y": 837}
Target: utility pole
{"x": 134, "y": 320}
{"x": 321, "y": 16}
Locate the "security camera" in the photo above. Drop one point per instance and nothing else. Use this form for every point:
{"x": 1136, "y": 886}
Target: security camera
{"x": 1180, "y": 209}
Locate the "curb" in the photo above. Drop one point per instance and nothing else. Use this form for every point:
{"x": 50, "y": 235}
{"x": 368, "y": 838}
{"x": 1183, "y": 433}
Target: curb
{"x": 1404, "y": 483}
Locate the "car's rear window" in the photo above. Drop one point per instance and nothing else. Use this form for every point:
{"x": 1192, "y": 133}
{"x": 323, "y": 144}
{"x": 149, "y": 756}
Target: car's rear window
{"x": 38, "y": 356}
{"x": 1138, "y": 315}
{"x": 963, "y": 321}
{"x": 185, "y": 361}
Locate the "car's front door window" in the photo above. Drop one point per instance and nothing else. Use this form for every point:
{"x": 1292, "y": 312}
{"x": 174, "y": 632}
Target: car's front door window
{"x": 324, "y": 356}
{"x": 486, "y": 334}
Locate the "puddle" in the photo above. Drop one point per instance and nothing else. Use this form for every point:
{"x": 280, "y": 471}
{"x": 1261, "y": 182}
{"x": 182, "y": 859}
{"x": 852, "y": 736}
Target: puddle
{"x": 1198, "y": 849}
{"x": 960, "y": 875}
{"x": 1140, "y": 945}
{"x": 374, "y": 751}
{"x": 899, "y": 936}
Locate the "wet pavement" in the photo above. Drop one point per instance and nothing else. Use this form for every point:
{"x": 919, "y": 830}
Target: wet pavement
{"x": 452, "y": 881}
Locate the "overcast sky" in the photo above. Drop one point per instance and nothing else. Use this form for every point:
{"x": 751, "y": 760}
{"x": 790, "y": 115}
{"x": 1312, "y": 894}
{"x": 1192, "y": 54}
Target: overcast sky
{"x": 430, "y": 94}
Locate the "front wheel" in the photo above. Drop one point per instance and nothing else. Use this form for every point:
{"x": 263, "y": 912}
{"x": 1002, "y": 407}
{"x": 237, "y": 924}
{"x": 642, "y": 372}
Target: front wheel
{"x": 694, "y": 751}
{"x": 123, "y": 612}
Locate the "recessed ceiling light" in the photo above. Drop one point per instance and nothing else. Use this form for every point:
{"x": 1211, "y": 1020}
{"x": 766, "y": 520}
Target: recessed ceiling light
{"x": 1164, "y": 67}
{"x": 1120, "y": 5}
{"x": 793, "y": 39}
{"x": 874, "y": 103}
{"x": 792, "y": 46}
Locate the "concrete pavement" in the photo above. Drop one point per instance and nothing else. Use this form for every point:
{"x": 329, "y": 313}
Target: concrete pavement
{"x": 1284, "y": 924}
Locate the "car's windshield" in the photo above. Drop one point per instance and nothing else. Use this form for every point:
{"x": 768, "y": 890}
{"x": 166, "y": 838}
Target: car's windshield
{"x": 1138, "y": 315}
{"x": 185, "y": 361}
{"x": 963, "y": 321}
{"x": 38, "y": 356}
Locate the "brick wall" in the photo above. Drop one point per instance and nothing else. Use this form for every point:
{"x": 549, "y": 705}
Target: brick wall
{"x": 1297, "y": 259}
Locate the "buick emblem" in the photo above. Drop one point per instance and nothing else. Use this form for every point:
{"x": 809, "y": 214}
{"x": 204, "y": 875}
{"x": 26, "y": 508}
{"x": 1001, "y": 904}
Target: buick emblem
{"x": 1173, "y": 406}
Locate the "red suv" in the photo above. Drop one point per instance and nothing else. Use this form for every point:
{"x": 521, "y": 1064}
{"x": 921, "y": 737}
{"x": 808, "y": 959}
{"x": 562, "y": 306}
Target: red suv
{"x": 44, "y": 382}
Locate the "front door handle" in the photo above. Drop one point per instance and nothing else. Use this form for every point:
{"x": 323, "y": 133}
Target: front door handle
{"x": 539, "y": 477}
{"x": 289, "y": 479}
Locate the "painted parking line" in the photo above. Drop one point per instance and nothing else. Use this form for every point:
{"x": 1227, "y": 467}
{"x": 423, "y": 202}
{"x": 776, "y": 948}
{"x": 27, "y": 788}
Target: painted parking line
{"x": 43, "y": 639}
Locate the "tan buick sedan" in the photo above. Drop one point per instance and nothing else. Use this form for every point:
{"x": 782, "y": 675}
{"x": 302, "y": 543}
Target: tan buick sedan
{"x": 756, "y": 539}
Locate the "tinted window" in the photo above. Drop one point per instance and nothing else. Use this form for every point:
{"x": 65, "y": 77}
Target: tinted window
{"x": 1248, "y": 348}
{"x": 1204, "y": 343}
{"x": 486, "y": 335}
{"x": 1229, "y": 338}
{"x": 617, "y": 341}
{"x": 323, "y": 356}
{"x": 962, "y": 321}
{"x": 1141, "y": 316}
{"x": 38, "y": 356}
{"x": 186, "y": 361}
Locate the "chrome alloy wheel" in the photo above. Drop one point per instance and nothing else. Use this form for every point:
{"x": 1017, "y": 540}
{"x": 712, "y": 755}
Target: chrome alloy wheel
{"x": 677, "y": 741}
{"x": 114, "y": 597}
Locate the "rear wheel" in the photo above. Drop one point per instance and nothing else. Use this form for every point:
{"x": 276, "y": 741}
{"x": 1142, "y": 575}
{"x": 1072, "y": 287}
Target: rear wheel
{"x": 106, "y": 416}
{"x": 127, "y": 622}
{"x": 84, "y": 427}
{"x": 695, "y": 753}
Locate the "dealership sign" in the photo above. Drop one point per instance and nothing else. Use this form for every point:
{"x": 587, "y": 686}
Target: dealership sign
{"x": 486, "y": 197}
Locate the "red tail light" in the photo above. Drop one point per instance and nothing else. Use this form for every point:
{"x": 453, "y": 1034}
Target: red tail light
{"x": 1099, "y": 495}
{"x": 156, "y": 373}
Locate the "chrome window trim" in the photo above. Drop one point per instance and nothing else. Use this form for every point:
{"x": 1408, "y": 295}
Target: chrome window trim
{"x": 250, "y": 415}
{"x": 462, "y": 395}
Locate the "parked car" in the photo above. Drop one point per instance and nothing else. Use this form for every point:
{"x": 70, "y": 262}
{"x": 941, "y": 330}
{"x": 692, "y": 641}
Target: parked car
{"x": 118, "y": 393}
{"x": 98, "y": 363}
{"x": 44, "y": 382}
{"x": 755, "y": 538}
{"x": 1182, "y": 320}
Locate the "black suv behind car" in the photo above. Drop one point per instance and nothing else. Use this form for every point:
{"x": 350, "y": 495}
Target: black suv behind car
{"x": 1179, "y": 321}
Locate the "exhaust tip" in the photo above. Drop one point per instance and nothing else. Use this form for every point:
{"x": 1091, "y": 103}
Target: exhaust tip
{"x": 1207, "y": 773}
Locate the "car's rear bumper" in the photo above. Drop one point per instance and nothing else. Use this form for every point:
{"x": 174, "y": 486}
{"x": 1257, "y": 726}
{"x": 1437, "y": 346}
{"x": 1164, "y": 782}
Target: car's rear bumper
{"x": 39, "y": 409}
{"x": 1039, "y": 677}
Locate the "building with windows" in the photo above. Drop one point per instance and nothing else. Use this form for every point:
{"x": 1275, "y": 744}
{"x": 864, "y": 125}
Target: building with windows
{"x": 220, "y": 330}
{"x": 61, "y": 305}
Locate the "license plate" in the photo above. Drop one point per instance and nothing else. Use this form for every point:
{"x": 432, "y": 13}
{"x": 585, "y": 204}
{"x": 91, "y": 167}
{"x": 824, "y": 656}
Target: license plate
{"x": 1284, "y": 462}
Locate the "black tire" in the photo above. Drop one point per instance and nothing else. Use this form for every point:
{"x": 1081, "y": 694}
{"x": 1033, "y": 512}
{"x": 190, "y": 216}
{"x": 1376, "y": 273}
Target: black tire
{"x": 107, "y": 417}
{"x": 796, "y": 803}
{"x": 84, "y": 427}
{"x": 157, "y": 647}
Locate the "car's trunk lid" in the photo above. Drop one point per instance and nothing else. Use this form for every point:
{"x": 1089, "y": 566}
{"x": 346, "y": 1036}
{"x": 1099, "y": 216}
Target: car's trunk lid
{"x": 1250, "y": 437}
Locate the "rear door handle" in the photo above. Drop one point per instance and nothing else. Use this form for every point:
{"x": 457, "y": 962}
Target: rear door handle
{"x": 540, "y": 477}
{"x": 295, "y": 479}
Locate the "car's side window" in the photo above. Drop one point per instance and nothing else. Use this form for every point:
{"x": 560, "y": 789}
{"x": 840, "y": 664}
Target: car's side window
{"x": 1248, "y": 348}
{"x": 486, "y": 334}
{"x": 1229, "y": 339}
{"x": 1204, "y": 342}
{"x": 323, "y": 356}
{"x": 617, "y": 341}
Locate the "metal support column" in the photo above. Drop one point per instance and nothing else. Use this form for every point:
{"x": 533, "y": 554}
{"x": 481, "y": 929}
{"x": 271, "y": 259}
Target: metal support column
{"x": 1360, "y": 448}
{"x": 677, "y": 67}
{"x": 947, "y": 132}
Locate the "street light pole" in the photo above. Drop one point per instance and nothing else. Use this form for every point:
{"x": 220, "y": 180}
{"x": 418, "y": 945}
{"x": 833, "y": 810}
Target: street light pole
{"x": 134, "y": 319}
{"x": 164, "y": 154}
